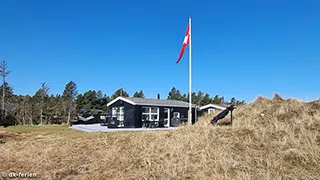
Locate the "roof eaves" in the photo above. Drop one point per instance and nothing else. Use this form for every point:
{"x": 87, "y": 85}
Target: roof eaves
{"x": 212, "y": 105}
{"x": 123, "y": 99}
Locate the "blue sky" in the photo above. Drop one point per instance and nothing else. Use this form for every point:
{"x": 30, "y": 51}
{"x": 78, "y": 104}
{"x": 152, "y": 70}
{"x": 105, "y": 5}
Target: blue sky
{"x": 239, "y": 48}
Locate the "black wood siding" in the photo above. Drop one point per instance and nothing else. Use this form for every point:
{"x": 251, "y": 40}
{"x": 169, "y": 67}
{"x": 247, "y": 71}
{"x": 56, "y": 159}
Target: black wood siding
{"x": 129, "y": 113}
{"x": 201, "y": 112}
{"x": 138, "y": 117}
{"x": 129, "y": 116}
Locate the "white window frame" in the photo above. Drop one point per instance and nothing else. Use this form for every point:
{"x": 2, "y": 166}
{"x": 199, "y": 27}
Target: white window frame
{"x": 114, "y": 111}
{"x": 151, "y": 113}
{"x": 118, "y": 112}
{"x": 211, "y": 111}
{"x": 121, "y": 114}
{"x": 168, "y": 114}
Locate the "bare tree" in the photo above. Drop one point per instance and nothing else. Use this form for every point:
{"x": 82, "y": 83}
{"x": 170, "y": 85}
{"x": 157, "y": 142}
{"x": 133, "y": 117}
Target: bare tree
{"x": 3, "y": 72}
{"x": 29, "y": 109}
{"x": 44, "y": 92}
{"x": 24, "y": 102}
{"x": 69, "y": 96}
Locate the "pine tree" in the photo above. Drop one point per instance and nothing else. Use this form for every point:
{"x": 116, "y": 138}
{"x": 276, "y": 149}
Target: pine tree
{"x": 120, "y": 92}
{"x": 99, "y": 94}
{"x": 139, "y": 94}
{"x": 175, "y": 94}
{"x": 216, "y": 100}
{"x": 205, "y": 100}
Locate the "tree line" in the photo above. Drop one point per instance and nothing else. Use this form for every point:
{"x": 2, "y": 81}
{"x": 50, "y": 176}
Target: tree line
{"x": 200, "y": 98}
{"x": 46, "y": 108}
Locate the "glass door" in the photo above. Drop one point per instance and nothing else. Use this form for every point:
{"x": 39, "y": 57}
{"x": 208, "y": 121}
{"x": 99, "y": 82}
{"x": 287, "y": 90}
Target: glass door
{"x": 167, "y": 117}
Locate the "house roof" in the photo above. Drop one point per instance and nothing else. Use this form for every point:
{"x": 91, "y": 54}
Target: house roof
{"x": 152, "y": 102}
{"x": 221, "y": 107}
{"x": 89, "y": 110}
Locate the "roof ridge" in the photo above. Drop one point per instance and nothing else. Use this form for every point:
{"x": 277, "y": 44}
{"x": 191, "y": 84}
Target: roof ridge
{"x": 170, "y": 102}
{"x": 156, "y": 99}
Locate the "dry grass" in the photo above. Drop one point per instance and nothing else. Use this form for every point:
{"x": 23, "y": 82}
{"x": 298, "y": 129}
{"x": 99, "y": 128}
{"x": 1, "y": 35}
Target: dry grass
{"x": 284, "y": 143}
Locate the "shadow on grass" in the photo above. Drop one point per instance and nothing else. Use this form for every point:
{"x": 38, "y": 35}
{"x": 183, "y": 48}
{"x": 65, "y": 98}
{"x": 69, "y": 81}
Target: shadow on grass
{"x": 224, "y": 124}
{"x": 221, "y": 124}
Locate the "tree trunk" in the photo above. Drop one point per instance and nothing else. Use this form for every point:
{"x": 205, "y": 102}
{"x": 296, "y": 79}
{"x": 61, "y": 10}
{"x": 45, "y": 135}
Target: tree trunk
{"x": 24, "y": 114}
{"x": 41, "y": 116}
{"x": 3, "y": 96}
{"x": 23, "y": 119}
{"x": 18, "y": 120}
{"x": 20, "y": 117}
{"x": 30, "y": 120}
{"x": 48, "y": 120}
{"x": 69, "y": 115}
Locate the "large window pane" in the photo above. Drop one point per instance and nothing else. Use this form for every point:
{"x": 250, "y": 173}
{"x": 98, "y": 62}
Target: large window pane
{"x": 154, "y": 110}
{"x": 114, "y": 111}
{"x": 121, "y": 111}
{"x": 150, "y": 114}
{"x": 154, "y": 117}
{"x": 145, "y": 110}
{"x": 145, "y": 117}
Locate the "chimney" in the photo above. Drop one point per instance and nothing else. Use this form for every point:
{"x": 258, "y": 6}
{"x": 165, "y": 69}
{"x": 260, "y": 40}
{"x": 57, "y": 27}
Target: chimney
{"x": 158, "y": 96}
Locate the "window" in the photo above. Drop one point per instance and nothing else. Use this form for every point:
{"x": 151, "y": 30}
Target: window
{"x": 119, "y": 113}
{"x": 154, "y": 110}
{"x": 145, "y": 110}
{"x": 145, "y": 117}
{"x": 167, "y": 117}
{"x": 150, "y": 114}
{"x": 211, "y": 111}
{"x": 176, "y": 115}
{"x": 114, "y": 112}
{"x": 154, "y": 117}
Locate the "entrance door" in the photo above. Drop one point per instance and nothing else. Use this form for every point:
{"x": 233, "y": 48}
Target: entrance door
{"x": 167, "y": 117}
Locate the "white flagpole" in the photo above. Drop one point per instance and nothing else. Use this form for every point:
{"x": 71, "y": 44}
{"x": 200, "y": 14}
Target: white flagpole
{"x": 190, "y": 92}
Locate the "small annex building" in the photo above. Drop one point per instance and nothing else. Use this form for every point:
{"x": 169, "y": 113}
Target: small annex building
{"x": 210, "y": 109}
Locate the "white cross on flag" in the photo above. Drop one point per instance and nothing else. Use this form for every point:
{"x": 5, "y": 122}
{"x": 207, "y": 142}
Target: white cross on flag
{"x": 186, "y": 42}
